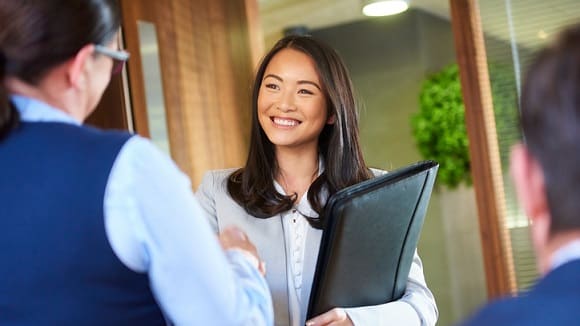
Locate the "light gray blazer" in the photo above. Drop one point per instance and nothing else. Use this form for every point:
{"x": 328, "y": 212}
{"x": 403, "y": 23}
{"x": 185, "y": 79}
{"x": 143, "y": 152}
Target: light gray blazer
{"x": 416, "y": 307}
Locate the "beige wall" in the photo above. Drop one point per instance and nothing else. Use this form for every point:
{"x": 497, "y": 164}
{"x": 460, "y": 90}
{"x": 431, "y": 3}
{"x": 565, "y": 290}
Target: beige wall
{"x": 207, "y": 54}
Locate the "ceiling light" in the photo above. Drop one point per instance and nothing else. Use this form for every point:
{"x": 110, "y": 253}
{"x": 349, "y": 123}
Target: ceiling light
{"x": 385, "y": 7}
{"x": 542, "y": 34}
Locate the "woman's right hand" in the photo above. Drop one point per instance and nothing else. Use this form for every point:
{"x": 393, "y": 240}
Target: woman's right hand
{"x": 232, "y": 238}
{"x": 334, "y": 317}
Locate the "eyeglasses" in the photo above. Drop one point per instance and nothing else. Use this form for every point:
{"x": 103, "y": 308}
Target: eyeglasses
{"x": 119, "y": 57}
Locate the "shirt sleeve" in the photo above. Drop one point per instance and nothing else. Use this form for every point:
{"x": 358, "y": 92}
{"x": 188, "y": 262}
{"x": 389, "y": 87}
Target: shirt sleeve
{"x": 155, "y": 225}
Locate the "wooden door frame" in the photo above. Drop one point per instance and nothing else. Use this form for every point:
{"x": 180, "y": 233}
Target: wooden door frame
{"x": 483, "y": 146}
{"x": 130, "y": 14}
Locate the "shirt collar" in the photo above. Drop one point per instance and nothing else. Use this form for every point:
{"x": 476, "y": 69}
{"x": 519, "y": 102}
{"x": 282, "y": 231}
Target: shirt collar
{"x": 32, "y": 110}
{"x": 567, "y": 253}
{"x": 303, "y": 205}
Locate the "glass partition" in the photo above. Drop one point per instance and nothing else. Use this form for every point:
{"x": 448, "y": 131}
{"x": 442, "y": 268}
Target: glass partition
{"x": 514, "y": 31}
{"x": 156, "y": 114}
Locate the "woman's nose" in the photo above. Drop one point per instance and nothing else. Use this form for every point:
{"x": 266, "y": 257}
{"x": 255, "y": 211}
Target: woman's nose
{"x": 286, "y": 102}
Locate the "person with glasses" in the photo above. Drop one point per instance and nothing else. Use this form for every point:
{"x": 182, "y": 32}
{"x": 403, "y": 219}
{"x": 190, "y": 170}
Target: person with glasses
{"x": 119, "y": 57}
{"x": 99, "y": 227}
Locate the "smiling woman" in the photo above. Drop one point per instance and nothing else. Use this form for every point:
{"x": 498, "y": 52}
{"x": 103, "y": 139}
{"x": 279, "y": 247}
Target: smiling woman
{"x": 304, "y": 147}
{"x": 292, "y": 107}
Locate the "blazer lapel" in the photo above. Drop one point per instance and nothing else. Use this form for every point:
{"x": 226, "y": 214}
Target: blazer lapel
{"x": 268, "y": 237}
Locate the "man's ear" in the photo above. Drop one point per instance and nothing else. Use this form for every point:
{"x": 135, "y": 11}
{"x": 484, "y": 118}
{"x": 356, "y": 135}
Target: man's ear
{"x": 77, "y": 66}
{"x": 529, "y": 182}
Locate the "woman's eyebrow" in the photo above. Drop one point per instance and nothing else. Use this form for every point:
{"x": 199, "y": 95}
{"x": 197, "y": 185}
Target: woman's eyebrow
{"x": 273, "y": 76}
{"x": 299, "y": 82}
{"x": 309, "y": 82}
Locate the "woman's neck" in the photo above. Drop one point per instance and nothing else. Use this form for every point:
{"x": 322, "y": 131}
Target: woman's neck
{"x": 296, "y": 171}
{"x": 50, "y": 90}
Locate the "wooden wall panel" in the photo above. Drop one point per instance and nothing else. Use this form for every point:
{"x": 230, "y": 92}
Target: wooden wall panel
{"x": 207, "y": 58}
{"x": 193, "y": 70}
{"x": 255, "y": 33}
{"x": 170, "y": 68}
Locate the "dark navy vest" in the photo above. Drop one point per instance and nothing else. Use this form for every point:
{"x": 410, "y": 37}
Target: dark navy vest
{"x": 56, "y": 264}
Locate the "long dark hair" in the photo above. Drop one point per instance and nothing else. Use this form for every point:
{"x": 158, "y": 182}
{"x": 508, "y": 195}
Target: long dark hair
{"x": 550, "y": 119}
{"x": 253, "y": 185}
{"x": 37, "y": 35}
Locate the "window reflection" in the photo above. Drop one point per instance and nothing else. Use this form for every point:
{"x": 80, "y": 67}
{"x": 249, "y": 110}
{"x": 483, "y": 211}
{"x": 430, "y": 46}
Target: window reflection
{"x": 156, "y": 117}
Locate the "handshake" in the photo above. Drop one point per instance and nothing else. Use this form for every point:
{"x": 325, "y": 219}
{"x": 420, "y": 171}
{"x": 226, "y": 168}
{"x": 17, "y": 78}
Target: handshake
{"x": 232, "y": 238}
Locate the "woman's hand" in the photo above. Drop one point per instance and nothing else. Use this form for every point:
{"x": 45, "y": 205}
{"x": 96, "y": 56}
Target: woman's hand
{"x": 334, "y": 317}
{"x": 236, "y": 239}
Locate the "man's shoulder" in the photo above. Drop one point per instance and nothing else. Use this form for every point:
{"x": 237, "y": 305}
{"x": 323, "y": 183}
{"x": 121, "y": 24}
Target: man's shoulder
{"x": 505, "y": 311}
{"x": 532, "y": 308}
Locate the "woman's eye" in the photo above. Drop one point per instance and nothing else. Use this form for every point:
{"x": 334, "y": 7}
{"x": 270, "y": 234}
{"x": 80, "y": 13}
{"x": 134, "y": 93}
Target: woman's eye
{"x": 272, "y": 86}
{"x": 305, "y": 91}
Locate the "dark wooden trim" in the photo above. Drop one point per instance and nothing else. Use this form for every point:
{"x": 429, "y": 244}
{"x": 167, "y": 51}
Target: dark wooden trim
{"x": 131, "y": 12}
{"x": 483, "y": 146}
{"x": 111, "y": 112}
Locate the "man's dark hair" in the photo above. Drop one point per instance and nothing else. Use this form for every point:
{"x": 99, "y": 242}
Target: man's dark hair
{"x": 550, "y": 119}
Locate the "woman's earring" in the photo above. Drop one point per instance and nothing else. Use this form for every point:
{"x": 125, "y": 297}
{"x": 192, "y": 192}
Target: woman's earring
{"x": 331, "y": 120}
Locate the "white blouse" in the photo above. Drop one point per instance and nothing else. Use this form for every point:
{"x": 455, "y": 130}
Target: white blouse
{"x": 295, "y": 232}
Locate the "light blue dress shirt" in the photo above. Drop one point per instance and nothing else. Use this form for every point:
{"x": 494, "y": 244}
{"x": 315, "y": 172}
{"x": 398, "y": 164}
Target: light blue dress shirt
{"x": 156, "y": 226}
{"x": 565, "y": 254}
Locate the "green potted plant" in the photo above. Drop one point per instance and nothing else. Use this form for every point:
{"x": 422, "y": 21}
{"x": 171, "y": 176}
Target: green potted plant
{"x": 439, "y": 127}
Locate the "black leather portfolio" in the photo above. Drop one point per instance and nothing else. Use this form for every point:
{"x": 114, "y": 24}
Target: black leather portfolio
{"x": 370, "y": 238}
